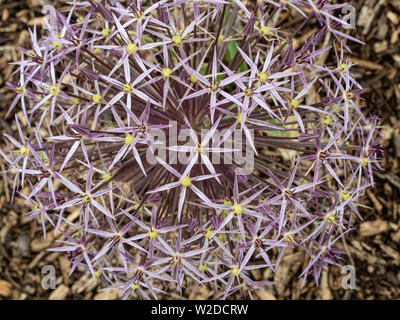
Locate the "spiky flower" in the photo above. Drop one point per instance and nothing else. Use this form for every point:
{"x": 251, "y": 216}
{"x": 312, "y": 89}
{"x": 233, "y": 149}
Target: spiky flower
{"x": 196, "y": 139}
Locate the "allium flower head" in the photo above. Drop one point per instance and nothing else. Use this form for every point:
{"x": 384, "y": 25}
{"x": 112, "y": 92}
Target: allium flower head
{"x": 197, "y": 141}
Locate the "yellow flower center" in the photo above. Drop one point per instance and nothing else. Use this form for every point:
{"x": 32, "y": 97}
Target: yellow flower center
{"x": 177, "y": 39}
{"x": 23, "y": 150}
{"x": 97, "y": 98}
{"x": 166, "y": 72}
{"x": 237, "y": 209}
{"x": 265, "y": 30}
{"x": 13, "y": 171}
{"x": 294, "y": 103}
{"x": 208, "y": 234}
{"x": 248, "y": 91}
{"x": 19, "y": 90}
{"x": 239, "y": 118}
{"x": 193, "y": 78}
{"x": 327, "y": 120}
{"x": 349, "y": 95}
{"x": 152, "y": 234}
{"x": 129, "y": 139}
{"x": 57, "y": 45}
{"x": 106, "y": 177}
{"x": 289, "y": 238}
{"x": 200, "y": 149}
{"x": 74, "y": 100}
{"x": 364, "y": 161}
{"x": 214, "y": 86}
{"x": 128, "y": 87}
{"x": 53, "y": 90}
{"x": 344, "y": 195}
{"x": 176, "y": 259}
{"x": 134, "y": 286}
{"x": 86, "y": 198}
{"x": 263, "y": 77}
{"x": 105, "y": 32}
{"x": 221, "y": 37}
{"x": 45, "y": 160}
{"x": 203, "y": 267}
{"x": 131, "y": 48}
{"x": 186, "y": 181}
{"x": 343, "y": 68}
{"x": 235, "y": 270}
{"x": 330, "y": 218}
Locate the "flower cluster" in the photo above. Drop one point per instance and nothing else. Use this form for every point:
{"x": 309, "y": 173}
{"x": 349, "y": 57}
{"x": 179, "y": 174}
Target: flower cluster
{"x": 110, "y": 87}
